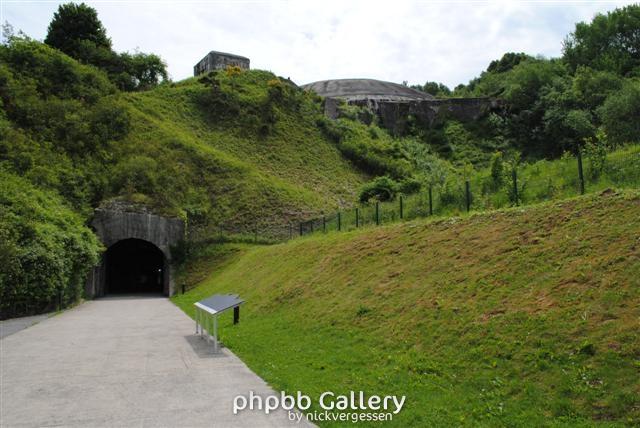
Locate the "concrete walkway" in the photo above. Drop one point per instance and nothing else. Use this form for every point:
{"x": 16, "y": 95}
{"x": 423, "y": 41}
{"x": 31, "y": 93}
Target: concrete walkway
{"x": 14, "y": 325}
{"x": 123, "y": 361}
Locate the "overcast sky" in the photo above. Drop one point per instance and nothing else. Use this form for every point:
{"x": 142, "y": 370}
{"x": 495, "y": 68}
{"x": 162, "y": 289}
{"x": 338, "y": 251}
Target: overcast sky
{"x": 395, "y": 40}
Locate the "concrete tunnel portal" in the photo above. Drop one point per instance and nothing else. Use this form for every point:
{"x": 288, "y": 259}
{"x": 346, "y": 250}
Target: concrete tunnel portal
{"x": 138, "y": 258}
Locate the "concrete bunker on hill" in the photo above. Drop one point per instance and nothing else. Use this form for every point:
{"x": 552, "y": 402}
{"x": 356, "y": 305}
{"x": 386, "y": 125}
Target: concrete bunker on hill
{"x": 138, "y": 252}
{"x": 397, "y": 105}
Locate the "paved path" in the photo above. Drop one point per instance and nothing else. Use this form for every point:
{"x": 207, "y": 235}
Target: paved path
{"x": 8, "y": 327}
{"x": 127, "y": 361}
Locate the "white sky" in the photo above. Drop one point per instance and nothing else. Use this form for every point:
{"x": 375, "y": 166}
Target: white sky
{"x": 395, "y": 40}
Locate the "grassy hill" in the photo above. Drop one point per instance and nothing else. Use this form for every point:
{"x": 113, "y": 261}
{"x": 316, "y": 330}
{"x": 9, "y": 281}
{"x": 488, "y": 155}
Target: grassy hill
{"x": 217, "y": 146}
{"x": 234, "y": 149}
{"x": 520, "y": 317}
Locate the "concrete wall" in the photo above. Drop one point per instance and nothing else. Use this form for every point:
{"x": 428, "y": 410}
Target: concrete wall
{"x": 394, "y": 115}
{"x": 219, "y": 61}
{"x": 117, "y": 223}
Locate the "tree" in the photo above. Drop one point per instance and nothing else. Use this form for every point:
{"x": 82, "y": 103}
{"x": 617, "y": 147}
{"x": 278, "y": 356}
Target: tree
{"x": 77, "y": 31}
{"x": 620, "y": 113}
{"x": 7, "y": 32}
{"x": 507, "y": 62}
{"x": 591, "y": 87}
{"x": 142, "y": 71}
{"x": 610, "y": 42}
{"x": 436, "y": 89}
{"x": 537, "y": 98}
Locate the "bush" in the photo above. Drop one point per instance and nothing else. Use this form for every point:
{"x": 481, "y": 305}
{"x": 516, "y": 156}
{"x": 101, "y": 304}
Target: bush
{"x": 381, "y": 188}
{"x": 46, "y": 250}
{"x": 409, "y": 186}
{"x": 497, "y": 170}
{"x": 136, "y": 174}
{"x": 332, "y": 129}
{"x": 596, "y": 154}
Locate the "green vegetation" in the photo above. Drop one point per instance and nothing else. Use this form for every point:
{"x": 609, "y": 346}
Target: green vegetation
{"x": 45, "y": 249}
{"x": 609, "y": 42}
{"x": 522, "y": 317}
{"x": 235, "y": 152}
{"x": 77, "y": 31}
{"x": 490, "y": 188}
{"x": 367, "y": 145}
{"x": 229, "y": 152}
{"x": 553, "y": 105}
{"x": 519, "y": 317}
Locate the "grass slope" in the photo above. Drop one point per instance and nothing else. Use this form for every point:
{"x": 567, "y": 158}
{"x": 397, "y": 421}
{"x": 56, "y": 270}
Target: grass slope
{"x": 233, "y": 147}
{"x": 521, "y": 317}
{"x": 236, "y": 172}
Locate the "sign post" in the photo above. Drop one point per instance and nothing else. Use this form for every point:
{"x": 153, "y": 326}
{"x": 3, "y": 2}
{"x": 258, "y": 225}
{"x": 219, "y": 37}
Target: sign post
{"x": 207, "y": 311}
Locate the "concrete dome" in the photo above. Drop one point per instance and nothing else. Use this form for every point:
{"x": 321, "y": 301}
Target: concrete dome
{"x": 366, "y": 89}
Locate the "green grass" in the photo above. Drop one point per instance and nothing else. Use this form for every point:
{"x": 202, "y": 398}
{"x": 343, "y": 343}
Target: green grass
{"x": 235, "y": 149}
{"x": 235, "y": 175}
{"x": 229, "y": 153}
{"x": 520, "y": 317}
{"x": 540, "y": 181}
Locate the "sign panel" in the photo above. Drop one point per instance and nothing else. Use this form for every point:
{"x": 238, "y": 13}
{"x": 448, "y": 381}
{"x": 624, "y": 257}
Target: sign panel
{"x": 219, "y": 302}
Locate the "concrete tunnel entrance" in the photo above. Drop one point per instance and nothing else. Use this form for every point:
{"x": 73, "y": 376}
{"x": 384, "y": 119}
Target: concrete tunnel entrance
{"x": 134, "y": 266}
{"x": 138, "y": 256}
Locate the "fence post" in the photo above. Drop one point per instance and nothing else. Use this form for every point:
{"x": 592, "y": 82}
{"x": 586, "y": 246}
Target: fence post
{"x": 357, "y": 217}
{"x": 401, "y": 208}
{"x": 377, "y": 213}
{"x": 311, "y": 225}
{"x": 430, "y": 200}
{"x": 324, "y": 224}
{"x": 339, "y": 222}
{"x": 580, "y": 171}
{"x": 183, "y": 288}
{"x": 514, "y": 174}
{"x": 468, "y": 194}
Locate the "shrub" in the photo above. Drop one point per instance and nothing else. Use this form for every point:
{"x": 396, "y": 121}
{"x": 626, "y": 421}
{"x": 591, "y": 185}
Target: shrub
{"x": 381, "y": 188}
{"x": 332, "y": 129}
{"x": 497, "y": 170}
{"x": 136, "y": 174}
{"x": 45, "y": 249}
{"x": 595, "y": 151}
{"x": 409, "y": 186}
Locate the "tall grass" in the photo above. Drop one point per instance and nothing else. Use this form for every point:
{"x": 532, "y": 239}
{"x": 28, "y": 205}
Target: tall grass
{"x": 535, "y": 182}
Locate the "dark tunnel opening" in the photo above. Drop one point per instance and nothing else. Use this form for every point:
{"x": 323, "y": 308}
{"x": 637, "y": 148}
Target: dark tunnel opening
{"x": 134, "y": 266}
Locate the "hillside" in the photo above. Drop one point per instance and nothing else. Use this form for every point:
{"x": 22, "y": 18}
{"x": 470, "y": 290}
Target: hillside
{"x": 233, "y": 148}
{"x": 240, "y": 166}
{"x": 228, "y": 153}
{"x": 520, "y": 317}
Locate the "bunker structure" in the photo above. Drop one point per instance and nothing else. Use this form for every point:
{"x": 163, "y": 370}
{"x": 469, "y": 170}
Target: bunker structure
{"x": 219, "y": 61}
{"x": 396, "y": 104}
{"x": 138, "y": 252}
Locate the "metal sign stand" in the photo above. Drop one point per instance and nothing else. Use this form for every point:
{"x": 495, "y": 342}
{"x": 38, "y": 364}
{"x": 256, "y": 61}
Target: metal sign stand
{"x": 207, "y": 311}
